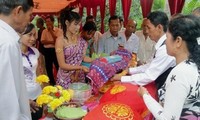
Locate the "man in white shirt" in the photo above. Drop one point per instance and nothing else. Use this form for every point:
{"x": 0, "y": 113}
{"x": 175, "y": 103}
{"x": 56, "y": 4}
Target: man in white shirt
{"x": 132, "y": 41}
{"x": 14, "y": 16}
{"x": 161, "y": 62}
{"x": 147, "y": 46}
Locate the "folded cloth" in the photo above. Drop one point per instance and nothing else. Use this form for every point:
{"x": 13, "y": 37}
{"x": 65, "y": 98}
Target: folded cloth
{"x": 86, "y": 64}
{"x": 113, "y": 58}
{"x": 101, "y": 70}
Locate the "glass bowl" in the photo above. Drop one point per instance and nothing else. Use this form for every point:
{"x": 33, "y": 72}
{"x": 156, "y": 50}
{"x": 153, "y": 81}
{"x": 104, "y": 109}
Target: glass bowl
{"x": 81, "y": 92}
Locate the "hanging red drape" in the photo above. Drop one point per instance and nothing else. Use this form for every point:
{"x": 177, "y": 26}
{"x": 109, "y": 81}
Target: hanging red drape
{"x": 112, "y": 7}
{"x": 176, "y": 6}
{"x": 102, "y": 11}
{"x": 126, "y": 6}
{"x": 92, "y": 4}
{"x": 88, "y": 11}
{"x": 94, "y": 11}
{"x": 146, "y": 7}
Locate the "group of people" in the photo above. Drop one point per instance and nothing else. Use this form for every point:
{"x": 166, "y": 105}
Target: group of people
{"x": 174, "y": 67}
{"x": 177, "y": 46}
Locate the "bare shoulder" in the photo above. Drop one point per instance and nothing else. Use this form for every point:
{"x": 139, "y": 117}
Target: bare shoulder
{"x": 59, "y": 41}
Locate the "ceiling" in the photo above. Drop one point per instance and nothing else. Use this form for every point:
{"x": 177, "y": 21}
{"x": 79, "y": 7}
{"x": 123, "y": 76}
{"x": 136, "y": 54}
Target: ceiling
{"x": 50, "y": 6}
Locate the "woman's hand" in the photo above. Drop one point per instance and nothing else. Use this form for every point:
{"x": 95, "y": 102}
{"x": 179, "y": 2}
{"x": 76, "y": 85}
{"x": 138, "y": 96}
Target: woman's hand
{"x": 33, "y": 106}
{"x": 85, "y": 69}
{"x": 142, "y": 91}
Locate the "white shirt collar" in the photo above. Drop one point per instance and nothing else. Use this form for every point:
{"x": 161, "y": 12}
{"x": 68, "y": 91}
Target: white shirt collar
{"x": 8, "y": 28}
{"x": 160, "y": 41}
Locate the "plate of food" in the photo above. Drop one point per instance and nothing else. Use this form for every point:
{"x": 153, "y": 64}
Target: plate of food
{"x": 70, "y": 111}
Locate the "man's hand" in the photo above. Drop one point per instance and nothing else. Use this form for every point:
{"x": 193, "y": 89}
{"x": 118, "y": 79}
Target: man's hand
{"x": 116, "y": 77}
{"x": 33, "y": 106}
{"x": 142, "y": 91}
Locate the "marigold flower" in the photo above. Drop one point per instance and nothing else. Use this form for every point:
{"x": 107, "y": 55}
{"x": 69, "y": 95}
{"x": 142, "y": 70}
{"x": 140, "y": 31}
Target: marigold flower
{"x": 42, "y": 78}
{"x": 53, "y": 96}
{"x": 55, "y": 103}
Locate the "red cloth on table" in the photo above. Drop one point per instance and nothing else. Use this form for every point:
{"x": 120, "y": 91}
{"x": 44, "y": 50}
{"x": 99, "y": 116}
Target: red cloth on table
{"x": 131, "y": 97}
{"x": 112, "y": 111}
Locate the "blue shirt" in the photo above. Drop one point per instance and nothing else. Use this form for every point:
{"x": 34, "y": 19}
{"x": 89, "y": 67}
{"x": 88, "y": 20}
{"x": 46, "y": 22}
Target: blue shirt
{"x": 108, "y": 43}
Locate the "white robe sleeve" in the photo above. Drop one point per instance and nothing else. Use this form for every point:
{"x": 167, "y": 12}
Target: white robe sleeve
{"x": 175, "y": 96}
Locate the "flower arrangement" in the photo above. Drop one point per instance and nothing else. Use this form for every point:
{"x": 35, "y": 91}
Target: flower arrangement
{"x": 42, "y": 78}
{"x": 52, "y": 96}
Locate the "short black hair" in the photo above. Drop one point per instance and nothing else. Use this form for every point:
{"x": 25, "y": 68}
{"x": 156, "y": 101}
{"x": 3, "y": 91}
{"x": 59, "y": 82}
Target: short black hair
{"x": 6, "y": 6}
{"x": 89, "y": 17}
{"x": 40, "y": 21}
{"x": 114, "y": 17}
{"x": 89, "y": 26}
{"x": 158, "y": 17}
{"x": 121, "y": 19}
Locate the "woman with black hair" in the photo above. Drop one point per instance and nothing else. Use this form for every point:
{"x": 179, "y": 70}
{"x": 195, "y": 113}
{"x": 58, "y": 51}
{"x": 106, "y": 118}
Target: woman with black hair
{"x": 180, "y": 94}
{"x": 32, "y": 64}
{"x": 70, "y": 50}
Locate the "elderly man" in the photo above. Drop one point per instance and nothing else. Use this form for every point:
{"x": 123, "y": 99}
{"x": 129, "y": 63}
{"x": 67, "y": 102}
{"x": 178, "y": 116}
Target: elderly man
{"x": 159, "y": 67}
{"x": 14, "y": 17}
{"x": 147, "y": 46}
{"x": 132, "y": 41}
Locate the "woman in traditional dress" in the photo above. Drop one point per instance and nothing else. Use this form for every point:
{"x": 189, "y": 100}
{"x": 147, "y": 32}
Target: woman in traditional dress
{"x": 70, "y": 50}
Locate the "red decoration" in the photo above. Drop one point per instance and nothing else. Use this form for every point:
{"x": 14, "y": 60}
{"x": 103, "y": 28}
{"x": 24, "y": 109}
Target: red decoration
{"x": 57, "y": 94}
{"x": 130, "y": 97}
{"x": 112, "y": 7}
{"x": 146, "y": 7}
{"x": 113, "y": 111}
{"x": 176, "y": 6}
{"x": 102, "y": 11}
{"x": 126, "y": 6}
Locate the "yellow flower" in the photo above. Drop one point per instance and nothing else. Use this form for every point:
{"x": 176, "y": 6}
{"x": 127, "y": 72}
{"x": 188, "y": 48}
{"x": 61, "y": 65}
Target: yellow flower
{"x": 43, "y": 99}
{"x": 54, "y": 96}
{"x": 59, "y": 87}
{"x": 66, "y": 95}
{"x": 46, "y": 90}
{"x": 42, "y": 78}
{"x": 53, "y": 89}
{"x": 62, "y": 99}
{"x": 55, "y": 103}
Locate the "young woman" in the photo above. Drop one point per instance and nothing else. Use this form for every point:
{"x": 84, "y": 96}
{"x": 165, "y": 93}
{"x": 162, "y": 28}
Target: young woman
{"x": 179, "y": 96}
{"x": 70, "y": 50}
{"x": 32, "y": 63}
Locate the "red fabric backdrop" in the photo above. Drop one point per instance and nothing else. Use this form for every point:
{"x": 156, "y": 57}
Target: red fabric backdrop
{"x": 146, "y": 7}
{"x": 112, "y": 7}
{"x": 176, "y": 6}
{"x": 126, "y": 6}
